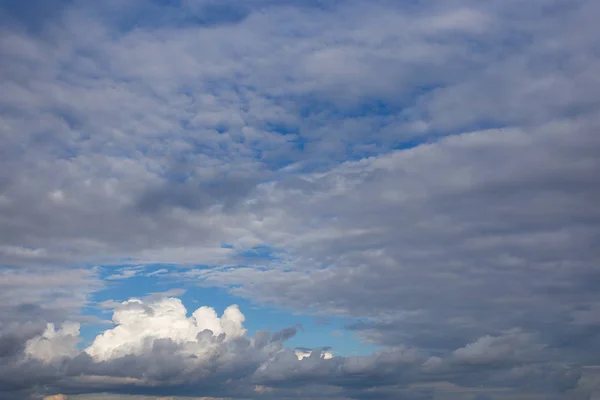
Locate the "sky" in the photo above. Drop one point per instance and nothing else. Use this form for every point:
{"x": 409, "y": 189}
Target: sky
{"x": 299, "y": 199}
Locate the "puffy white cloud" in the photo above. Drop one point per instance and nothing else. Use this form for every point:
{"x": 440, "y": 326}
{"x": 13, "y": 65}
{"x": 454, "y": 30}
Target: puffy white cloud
{"x": 140, "y": 324}
{"x": 54, "y": 344}
{"x": 155, "y": 345}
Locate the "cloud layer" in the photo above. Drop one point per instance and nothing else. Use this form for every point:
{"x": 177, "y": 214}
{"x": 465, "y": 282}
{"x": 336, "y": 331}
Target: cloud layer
{"x": 173, "y": 353}
{"x": 428, "y": 171}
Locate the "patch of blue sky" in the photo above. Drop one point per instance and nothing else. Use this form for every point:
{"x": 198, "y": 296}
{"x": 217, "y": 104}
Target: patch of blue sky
{"x": 154, "y": 279}
{"x": 410, "y": 143}
{"x": 480, "y": 124}
{"x": 379, "y": 104}
{"x": 282, "y": 127}
{"x": 153, "y": 14}
{"x": 299, "y": 142}
{"x": 31, "y": 14}
{"x": 261, "y": 252}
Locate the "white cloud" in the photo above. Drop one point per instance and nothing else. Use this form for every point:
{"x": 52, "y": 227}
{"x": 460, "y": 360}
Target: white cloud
{"x": 54, "y": 344}
{"x": 155, "y": 345}
{"x": 305, "y": 353}
{"x": 140, "y": 324}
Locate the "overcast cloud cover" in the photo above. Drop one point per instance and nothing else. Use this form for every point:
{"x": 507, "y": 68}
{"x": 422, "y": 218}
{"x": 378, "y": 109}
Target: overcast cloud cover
{"x": 427, "y": 170}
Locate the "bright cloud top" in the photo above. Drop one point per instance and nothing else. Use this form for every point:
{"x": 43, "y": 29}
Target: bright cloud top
{"x": 140, "y": 324}
{"x": 54, "y": 344}
{"x": 154, "y": 343}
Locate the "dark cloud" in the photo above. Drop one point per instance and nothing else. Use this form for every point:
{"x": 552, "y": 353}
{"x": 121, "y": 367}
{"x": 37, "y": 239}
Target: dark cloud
{"x": 195, "y": 195}
{"x": 238, "y": 367}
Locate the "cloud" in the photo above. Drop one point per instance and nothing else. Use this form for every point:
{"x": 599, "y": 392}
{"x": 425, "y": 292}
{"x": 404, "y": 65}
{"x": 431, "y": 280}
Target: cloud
{"x": 155, "y": 345}
{"x": 472, "y": 255}
{"x": 428, "y": 171}
{"x": 488, "y": 349}
{"x": 140, "y": 325}
{"x": 156, "y": 348}
{"x": 303, "y": 353}
{"x": 54, "y": 344}
{"x": 56, "y": 397}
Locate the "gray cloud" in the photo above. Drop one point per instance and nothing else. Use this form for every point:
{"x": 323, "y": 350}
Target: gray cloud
{"x": 243, "y": 366}
{"x": 429, "y": 170}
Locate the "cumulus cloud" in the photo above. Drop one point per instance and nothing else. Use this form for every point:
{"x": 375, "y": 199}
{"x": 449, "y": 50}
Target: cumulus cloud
{"x": 54, "y": 344}
{"x": 140, "y": 324}
{"x": 155, "y": 346}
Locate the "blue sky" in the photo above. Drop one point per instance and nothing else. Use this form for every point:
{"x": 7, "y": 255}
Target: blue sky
{"x": 315, "y": 332}
{"x": 299, "y": 199}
